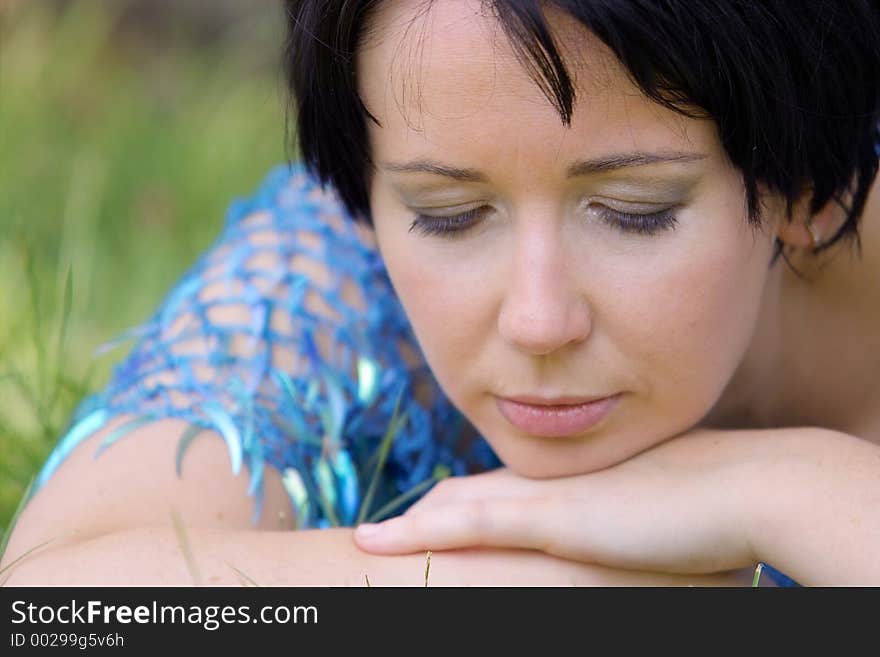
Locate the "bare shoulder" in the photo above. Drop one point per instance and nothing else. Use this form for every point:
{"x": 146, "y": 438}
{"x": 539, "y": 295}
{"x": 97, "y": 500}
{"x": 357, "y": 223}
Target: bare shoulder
{"x": 851, "y": 299}
{"x": 134, "y": 484}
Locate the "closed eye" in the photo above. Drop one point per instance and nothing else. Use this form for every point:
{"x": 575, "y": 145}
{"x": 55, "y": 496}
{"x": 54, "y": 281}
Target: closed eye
{"x": 634, "y": 222}
{"x": 454, "y": 226}
{"x": 448, "y": 227}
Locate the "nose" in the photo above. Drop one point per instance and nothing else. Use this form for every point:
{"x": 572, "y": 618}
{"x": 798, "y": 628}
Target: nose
{"x": 543, "y": 309}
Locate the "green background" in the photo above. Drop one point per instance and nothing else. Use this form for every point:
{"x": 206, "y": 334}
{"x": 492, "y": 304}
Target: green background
{"x": 126, "y": 129}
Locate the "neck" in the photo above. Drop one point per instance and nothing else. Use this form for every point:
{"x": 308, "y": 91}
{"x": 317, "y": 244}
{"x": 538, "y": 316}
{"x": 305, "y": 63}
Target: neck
{"x": 813, "y": 357}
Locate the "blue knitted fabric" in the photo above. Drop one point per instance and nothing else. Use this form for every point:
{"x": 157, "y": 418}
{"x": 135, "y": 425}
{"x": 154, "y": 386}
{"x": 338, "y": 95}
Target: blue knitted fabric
{"x": 257, "y": 343}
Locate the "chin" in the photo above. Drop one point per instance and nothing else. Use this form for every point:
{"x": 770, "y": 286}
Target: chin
{"x": 541, "y": 463}
{"x": 540, "y": 471}
{"x": 547, "y": 458}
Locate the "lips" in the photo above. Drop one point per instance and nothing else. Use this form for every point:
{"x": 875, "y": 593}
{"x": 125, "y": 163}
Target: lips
{"x": 564, "y": 417}
{"x": 551, "y": 401}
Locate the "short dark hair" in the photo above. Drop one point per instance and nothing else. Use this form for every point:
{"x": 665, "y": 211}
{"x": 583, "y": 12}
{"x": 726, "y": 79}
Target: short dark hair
{"x": 793, "y": 87}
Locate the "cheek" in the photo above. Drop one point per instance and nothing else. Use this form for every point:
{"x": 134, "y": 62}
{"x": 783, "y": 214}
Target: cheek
{"x": 685, "y": 324}
{"x": 445, "y": 300}
{"x": 447, "y": 306}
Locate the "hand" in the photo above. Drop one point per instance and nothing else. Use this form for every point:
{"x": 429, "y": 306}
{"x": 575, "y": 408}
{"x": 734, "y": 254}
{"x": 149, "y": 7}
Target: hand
{"x": 682, "y": 506}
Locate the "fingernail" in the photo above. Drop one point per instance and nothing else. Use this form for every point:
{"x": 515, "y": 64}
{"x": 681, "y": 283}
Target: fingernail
{"x": 368, "y": 529}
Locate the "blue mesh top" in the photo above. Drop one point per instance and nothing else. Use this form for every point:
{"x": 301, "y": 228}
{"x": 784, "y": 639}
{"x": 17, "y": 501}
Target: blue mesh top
{"x": 286, "y": 338}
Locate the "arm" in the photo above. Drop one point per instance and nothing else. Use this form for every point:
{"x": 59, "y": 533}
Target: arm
{"x": 816, "y": 512}
{"x": 329, "y": 557}
{"x": 804, "y": 500}
{"x": 109, "y": 523}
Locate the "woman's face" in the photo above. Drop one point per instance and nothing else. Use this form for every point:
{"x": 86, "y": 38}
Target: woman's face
{"x": 609, "y": 258}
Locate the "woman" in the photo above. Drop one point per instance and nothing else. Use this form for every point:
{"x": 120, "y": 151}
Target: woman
{"x": 618, "y": 234}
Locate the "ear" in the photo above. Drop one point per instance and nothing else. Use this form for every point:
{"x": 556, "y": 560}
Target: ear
{"x": 808, "y": 230}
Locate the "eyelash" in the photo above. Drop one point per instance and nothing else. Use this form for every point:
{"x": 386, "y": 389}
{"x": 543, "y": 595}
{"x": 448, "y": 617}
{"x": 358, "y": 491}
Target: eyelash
{"x": 626, "y": 222}
{"x": 453, "y": 226}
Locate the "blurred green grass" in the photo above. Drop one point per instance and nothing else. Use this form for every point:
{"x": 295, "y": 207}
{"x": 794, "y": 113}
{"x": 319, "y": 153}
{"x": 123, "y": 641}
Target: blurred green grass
{"x": 118, "y": 158}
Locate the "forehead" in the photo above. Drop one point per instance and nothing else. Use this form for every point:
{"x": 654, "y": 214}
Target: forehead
{"x": 444, "y": 74}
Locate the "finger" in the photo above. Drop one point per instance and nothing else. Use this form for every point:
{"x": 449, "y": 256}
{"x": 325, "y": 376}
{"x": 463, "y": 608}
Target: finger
{"x": 480, "y": 523}
{"x": 500, "y": 483}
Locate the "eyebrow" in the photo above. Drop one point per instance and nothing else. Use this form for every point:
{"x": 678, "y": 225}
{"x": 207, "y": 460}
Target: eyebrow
{"x": 579, "y": 168}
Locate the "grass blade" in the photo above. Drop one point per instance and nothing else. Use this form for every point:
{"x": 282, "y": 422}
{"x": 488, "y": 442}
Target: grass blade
{"x": 185, "y": 548}
{"x": 16, "y": 379}
{"x": 329, "y": 511}
{"x": 15, "y": 514}
{"x": 62, "y": 336}
{"x": 22, "y": 556}
{"x": 415, "y": 491}
{"x": 33, "y": 288}
{"x": 757, "y": 577}
{"x": 384, "y": 448}
{"x": 242, "y": 576}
